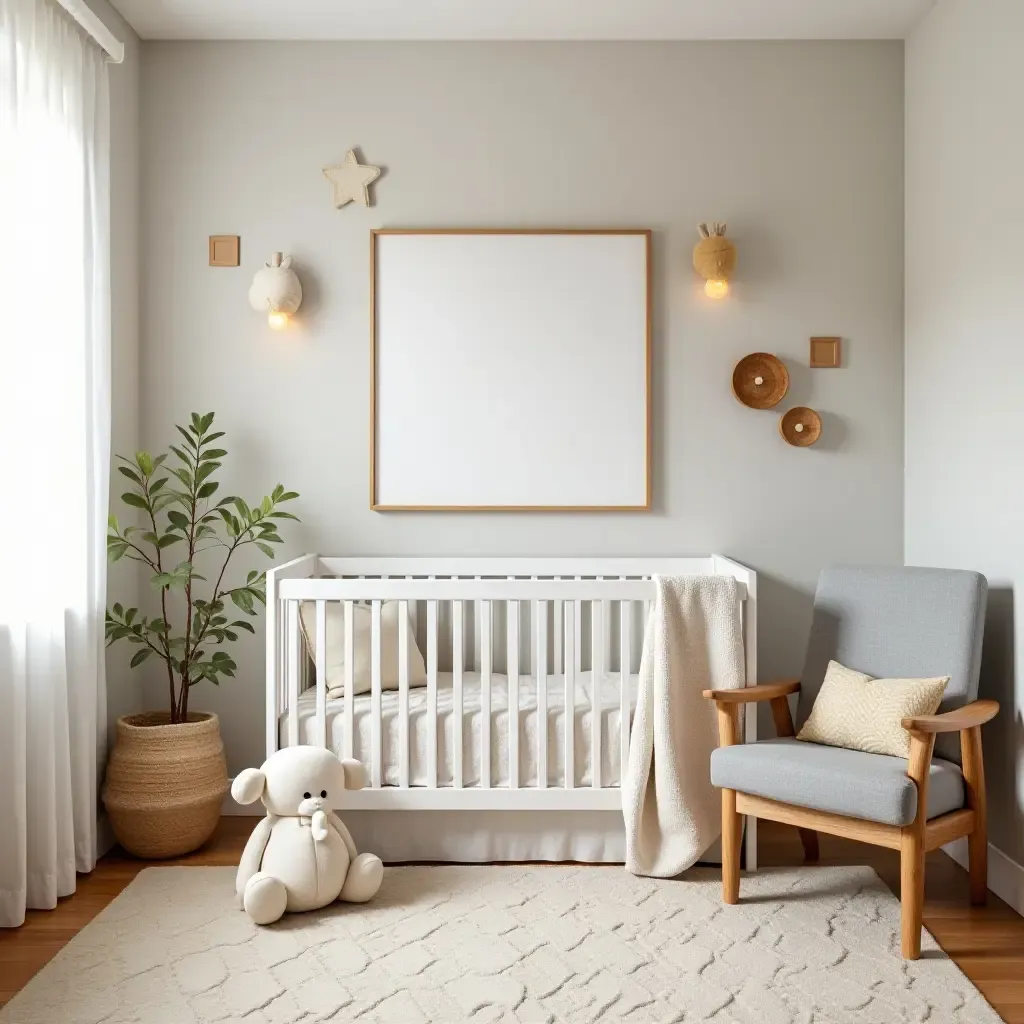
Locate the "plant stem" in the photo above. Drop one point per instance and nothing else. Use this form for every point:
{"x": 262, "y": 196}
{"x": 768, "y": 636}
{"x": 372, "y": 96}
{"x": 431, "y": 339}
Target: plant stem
{"x": 216, "y": 589}
{"x": 187, "y": 659}
{"x": 163, "y": 601}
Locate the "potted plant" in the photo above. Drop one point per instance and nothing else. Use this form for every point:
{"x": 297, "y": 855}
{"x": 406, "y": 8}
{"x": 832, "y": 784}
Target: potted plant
{"x": 167, "y": 777}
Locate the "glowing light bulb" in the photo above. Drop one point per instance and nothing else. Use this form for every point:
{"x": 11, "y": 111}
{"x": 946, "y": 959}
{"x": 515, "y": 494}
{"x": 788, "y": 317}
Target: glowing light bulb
{"x": 716, "y": 288}
{"x": 278, "y": 319}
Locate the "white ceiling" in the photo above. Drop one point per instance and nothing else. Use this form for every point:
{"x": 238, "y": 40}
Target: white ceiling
{"x": 523, "y": 19}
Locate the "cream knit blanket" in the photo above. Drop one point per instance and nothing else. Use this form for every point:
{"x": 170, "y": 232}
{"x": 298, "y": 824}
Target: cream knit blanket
{"x": 693, "y": 641}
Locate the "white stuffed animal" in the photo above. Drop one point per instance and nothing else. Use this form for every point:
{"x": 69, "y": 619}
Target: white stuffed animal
{"x": 301, "y": 856}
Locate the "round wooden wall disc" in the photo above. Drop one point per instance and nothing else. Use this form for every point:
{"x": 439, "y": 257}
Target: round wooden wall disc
{"x": 760, "y": 380}
{"x": 800, "y": 426}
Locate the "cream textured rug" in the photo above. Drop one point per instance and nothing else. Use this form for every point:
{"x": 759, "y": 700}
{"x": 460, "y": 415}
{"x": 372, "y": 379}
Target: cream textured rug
{"x": 534, "y": 943}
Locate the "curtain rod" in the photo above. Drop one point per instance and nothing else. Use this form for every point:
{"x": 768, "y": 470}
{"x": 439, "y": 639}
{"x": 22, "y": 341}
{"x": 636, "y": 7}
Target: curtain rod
{"x": 89, "y": 20}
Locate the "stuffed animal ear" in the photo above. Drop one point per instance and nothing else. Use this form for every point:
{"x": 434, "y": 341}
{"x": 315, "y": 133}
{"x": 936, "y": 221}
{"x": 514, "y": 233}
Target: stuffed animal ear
{"x": 286, "y": 262}
{"x": 355, "y": 774}
{"x": 248, "y": 786}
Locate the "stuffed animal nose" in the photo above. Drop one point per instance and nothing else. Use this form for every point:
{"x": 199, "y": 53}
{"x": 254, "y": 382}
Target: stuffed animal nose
{"x": 310, "y": 805}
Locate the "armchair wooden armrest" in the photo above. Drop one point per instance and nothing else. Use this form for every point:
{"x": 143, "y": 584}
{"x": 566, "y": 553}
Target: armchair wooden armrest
{"x": 970, "y": 716}
{"x": 751, "y": 694}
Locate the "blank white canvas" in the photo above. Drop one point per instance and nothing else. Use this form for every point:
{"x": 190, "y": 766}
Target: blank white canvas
{"x": 511, "y": 370}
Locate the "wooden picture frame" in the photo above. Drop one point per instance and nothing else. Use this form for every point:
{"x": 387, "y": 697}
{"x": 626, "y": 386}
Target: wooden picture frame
{"x": 224, "y": 250}
{"x": 405, "y": 282}
{"x": 826, "y": 353}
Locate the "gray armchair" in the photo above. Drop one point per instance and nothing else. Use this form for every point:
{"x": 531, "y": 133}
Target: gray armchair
{"x": 888, "y": 622}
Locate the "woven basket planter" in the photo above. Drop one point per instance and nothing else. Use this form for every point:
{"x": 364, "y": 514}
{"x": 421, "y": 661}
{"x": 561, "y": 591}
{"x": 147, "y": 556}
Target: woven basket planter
{"x": 165, "y": 783}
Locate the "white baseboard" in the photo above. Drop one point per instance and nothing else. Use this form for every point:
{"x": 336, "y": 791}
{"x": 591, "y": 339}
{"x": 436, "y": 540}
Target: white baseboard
{"x": 1005, "y": 875}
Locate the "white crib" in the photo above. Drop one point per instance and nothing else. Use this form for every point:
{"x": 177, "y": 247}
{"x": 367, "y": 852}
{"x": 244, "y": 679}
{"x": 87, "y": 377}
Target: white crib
{"x": 545, "y": 730}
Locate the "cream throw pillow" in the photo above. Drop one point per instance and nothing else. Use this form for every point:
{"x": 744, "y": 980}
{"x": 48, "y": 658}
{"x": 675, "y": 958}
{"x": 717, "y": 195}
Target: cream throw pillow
{"x": 855, "y": 711}
{"x": 362, "y": 626}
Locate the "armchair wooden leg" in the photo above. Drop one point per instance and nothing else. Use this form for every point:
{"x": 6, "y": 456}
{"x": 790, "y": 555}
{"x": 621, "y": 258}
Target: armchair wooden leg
{"x": 732, "y": 829}
{"x": 977, "y": 853}
{"x": 911, "y": 891}
{"x": 912, "y": 848}
{"x": 977, "y": 841}
{"x": 810, "y": 840}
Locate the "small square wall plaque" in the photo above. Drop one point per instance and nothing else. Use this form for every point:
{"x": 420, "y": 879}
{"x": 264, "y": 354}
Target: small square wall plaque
{"x": 825, "y": 353}
{"x": 224, "y": 250}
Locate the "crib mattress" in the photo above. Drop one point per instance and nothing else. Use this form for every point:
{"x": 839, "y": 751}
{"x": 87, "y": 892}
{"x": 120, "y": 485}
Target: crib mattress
{"x": 609, "y": 711}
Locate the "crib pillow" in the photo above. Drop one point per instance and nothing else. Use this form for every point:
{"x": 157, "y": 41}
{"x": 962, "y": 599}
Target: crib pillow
{"x": 361, "y": 630}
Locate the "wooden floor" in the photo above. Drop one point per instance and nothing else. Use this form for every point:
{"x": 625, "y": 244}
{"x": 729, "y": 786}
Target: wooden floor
{"x": 986, "y": 942}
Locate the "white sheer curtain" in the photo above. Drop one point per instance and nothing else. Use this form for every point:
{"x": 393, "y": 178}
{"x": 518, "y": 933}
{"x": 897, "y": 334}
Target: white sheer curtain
{"x": 54, "y": 450}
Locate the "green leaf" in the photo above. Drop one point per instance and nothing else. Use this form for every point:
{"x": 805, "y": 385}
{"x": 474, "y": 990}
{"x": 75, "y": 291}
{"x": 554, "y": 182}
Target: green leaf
{"x": 213, "y": 437}
{"x": 184, "y": 476}
{"x": 265, "y": 505}
{"x": 157, "y": 484}
{"x": 129, "y": 616}
{"x": 241, "y": 624}
{"x": 265, "y": 548}
{"x": 212, "y": 453}
{"x": 187, "y": 434}
{"x": 140, "y": 656}
{"x": 205, "y": 470}
{"x": 205, "y": 422}
{"x": 242, "y": 599}
{"x": 168, "y": 539}
{"x": 119, "y": 610}
{"x": 178, "y": 519}
{"x": 207, "y": 489}
{"x": 275, "y": 494}
{"x": 112, "y": 521}
{"x": 131, "y": 474}
{"x": 181, "y": 455}
{"x": 135, "y": 500}
{"x": 243, "y": 509}
{"x": 288, "y": 496}
{"x": 115, "y": 552}
{"x": 145, "y": 462}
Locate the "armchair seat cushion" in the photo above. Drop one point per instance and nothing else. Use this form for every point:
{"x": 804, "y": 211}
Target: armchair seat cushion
{"x": 872, "y": 787}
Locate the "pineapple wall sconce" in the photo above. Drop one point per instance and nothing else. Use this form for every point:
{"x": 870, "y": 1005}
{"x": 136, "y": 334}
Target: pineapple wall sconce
{"x": 714, "y": 258}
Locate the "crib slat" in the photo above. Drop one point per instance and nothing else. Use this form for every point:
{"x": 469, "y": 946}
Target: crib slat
{"x": 350, "y": 687}
{"x": 578, "y": 636}
{"x": 376, "y": 759}
{"x": 478, "y": 614}
{"x": 294, "y": 672}
{"x": 457, "y": 616}
{"x": 540, "y": 636}
{"x": 321, "y": 673}
{"x": 570, "y": 695}
{"x": 403, "y": 694}
{"x": 596, "y": 674}
{"x": 512, "y": 663}
{"x": 625, "y": 648}
{"x": 432, "y": 694}
{"x": 413, "y": 614}
{"x": 282, "y": 657}
{"x": 556, "y": 622}
{"x": 485, "y": 696}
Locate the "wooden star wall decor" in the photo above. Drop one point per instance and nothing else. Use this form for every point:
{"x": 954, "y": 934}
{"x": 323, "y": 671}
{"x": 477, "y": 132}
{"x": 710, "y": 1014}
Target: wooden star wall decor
{"x": 350, "y": 180}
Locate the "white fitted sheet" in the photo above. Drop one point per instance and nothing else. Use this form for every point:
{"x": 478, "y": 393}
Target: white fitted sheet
{"x": 609, "y": 710}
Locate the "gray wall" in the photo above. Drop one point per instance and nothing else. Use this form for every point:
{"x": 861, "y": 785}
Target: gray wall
{"x": 799, "y": 146}
{"x": 965, "y": 342}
